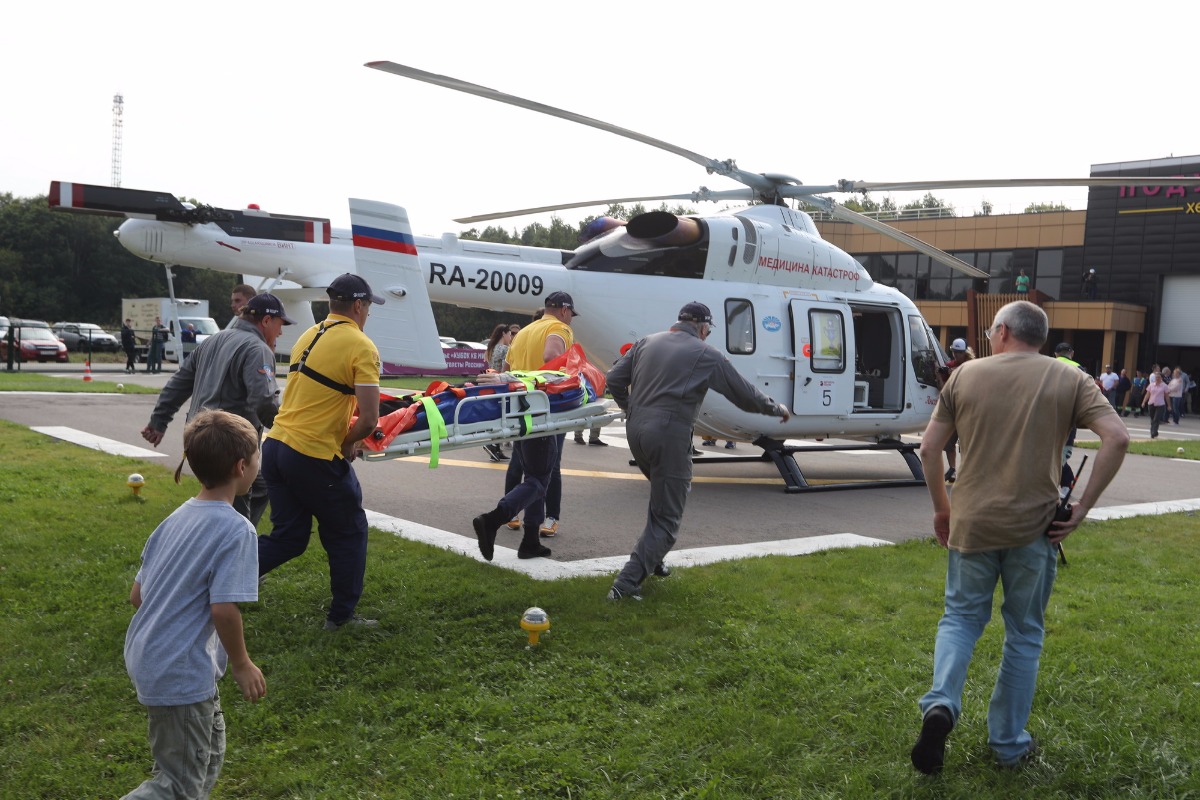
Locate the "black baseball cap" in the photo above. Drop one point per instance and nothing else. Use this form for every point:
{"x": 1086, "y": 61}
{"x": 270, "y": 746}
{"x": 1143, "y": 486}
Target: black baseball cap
{"x": 1065, "y": 347}
{"x": 267, "y": 305}
{"x": 561, "y": 300}
{"x": 352, "y": 287}
{"x": 695, "y": 312}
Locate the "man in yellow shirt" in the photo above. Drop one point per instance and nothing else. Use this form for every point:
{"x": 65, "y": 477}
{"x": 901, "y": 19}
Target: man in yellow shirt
{"x": 539, "y": 342}
{"x": 306, "y": 456}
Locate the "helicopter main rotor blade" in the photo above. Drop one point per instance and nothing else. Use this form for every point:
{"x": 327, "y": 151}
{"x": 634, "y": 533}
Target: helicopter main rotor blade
{"x": 1005, "y": 183}
{"x": 728, "y": 168}
{"x": 941, "y": 256}
{"x": 696, "y": 197}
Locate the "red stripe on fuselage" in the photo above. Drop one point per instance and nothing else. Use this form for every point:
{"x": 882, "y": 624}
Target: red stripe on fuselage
{"x": 384, "y": 244}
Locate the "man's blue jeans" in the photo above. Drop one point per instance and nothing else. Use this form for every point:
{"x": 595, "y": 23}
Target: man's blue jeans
{"x": 1027, "y": 575}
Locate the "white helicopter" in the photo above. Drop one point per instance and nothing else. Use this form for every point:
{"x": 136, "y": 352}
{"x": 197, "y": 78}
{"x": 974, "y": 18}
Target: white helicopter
{"x": 798, "y": 317}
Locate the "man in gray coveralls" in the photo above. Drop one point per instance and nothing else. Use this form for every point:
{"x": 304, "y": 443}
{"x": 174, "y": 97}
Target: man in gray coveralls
{"x": 233, "y": 370}
{"x": 659, "y": 384}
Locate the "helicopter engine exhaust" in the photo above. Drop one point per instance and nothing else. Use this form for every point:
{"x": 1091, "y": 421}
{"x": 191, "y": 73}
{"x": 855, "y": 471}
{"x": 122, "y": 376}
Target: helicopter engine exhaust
{"x": 598, "y": 226}
{"x": 664, "y": 228}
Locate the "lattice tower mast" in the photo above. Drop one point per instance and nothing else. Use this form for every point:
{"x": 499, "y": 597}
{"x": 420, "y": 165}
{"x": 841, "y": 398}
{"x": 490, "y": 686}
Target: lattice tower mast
{"x": 118, "y": 125}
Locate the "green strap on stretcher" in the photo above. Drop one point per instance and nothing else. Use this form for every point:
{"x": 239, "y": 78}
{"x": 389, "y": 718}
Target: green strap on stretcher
{"x": 437, "y": 429}
{"x": 529, "y": 382}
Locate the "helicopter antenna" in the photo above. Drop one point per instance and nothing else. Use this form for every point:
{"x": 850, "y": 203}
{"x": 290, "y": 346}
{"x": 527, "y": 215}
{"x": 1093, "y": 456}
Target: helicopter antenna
{"x": 118, "y": 109}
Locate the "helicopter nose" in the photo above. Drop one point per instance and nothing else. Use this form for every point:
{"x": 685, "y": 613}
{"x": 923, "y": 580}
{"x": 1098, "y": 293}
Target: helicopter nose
{"x": 143, "y": 238}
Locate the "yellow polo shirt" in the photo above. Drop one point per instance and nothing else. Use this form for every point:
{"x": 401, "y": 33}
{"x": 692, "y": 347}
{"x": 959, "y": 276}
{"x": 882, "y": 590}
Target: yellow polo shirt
{"x": 527, "y": 349}
{"x": 314, "y": 418}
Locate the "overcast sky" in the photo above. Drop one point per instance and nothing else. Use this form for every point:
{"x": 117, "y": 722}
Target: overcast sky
{"x": 269, "y": 102}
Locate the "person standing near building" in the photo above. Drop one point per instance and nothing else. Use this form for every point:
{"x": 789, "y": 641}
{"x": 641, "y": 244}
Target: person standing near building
{"x": 233, "y": 370}
{"x": 1087, "y": 287}
{"x": 1175, "y": 395}
{"x": 1137, "y": 392}
{"x": 1155, "y": 402}
{"x": 542, "y": 340}
{"x": 660, "y": 384}
{"x": 1022, "y": 283}
{"x": 129, "y": 345}
{"x": 1108, "y": 384}
{"x": 1124, "y": 385}
{"x": 307, "y": 455}
{"x": 1000, "y": 526}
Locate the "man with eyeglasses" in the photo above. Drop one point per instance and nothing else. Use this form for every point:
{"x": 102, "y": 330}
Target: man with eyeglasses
{"x": 999, "y": 526}
{"x": 659, "y": 384}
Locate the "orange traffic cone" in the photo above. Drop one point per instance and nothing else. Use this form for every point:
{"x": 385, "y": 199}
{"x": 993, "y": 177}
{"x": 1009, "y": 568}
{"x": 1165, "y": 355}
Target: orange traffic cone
{"x": 87, "y": 372}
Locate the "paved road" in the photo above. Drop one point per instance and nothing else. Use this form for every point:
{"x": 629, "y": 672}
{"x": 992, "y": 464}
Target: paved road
{"x": 604, "y": 497}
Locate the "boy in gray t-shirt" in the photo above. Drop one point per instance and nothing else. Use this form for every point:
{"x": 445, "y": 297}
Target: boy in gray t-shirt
{"x": 196, "y": 567}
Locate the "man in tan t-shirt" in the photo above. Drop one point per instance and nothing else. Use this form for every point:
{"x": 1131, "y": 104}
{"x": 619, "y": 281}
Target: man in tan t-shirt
{"x": 1012, "y": 412}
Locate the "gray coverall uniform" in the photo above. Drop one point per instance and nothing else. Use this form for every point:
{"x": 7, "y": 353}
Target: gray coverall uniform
{"x": 660, "y": 384}
{"x": 233, "y": 371}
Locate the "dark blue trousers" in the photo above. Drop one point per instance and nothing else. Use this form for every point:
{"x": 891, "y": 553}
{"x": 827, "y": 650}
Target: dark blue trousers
{"x": 300, "y": 488}
{"x": 516, "y": 472}
{"x": 539, "y": 460}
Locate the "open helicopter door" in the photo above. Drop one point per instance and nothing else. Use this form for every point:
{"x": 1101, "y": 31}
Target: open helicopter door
{"x": 823, "y": 336}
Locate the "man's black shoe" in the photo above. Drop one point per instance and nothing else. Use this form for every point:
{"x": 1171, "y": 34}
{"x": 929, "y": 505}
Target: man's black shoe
{"x": 485, "y": 531}
{"x": 929, "y": 753}
{"x": 662, "y": 571}
{"x": 538, "y": 551}
{"x": 495, "y": 452}
{"x": 597, "y": 443}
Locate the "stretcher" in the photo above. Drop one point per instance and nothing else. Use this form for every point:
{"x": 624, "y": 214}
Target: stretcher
{"x": 523, "y": 414}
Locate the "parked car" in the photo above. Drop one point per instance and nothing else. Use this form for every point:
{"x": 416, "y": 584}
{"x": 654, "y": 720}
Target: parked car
{"x": 76, "y": 335}
{"x": 34, "y": 343}
{"x": 450, "y": 343}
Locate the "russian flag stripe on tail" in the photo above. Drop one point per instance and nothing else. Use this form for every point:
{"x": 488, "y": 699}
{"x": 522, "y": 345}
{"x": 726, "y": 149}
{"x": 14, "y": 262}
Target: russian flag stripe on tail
{"x": 385, "y": 256}
{"x": 380, "y": 239}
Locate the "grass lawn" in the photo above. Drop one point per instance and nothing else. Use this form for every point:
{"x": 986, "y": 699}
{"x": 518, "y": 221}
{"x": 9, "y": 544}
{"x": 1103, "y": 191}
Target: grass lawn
{"x": 769, "y": 678}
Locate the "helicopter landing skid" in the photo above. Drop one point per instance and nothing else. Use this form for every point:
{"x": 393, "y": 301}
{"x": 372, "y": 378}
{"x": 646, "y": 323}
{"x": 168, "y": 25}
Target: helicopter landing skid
{"x": 783, "y": 457}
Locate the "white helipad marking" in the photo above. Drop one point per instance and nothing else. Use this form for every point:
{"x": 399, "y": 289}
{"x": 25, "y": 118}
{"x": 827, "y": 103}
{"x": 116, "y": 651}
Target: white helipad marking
{"x": 111, "y": 446}
{"x": 548, "y": 570}
{"x": 1144, "y": 509}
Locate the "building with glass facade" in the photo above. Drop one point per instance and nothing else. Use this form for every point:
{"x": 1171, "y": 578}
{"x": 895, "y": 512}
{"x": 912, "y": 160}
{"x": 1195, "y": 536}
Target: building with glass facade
{"x": 1142, "y": 304}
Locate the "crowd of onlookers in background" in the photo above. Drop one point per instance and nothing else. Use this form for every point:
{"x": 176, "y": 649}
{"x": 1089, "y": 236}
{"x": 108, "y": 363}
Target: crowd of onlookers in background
{"x": 1162, "y": 393}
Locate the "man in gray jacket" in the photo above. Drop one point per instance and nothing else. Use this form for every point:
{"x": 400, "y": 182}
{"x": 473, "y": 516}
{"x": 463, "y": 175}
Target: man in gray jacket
{"x": 660, "y": 384}
{"x": 234, "y": 371}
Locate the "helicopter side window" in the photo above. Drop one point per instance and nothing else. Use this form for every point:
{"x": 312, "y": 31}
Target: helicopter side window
{"x": 828, "y": 330}
{"x": 739, "y": 326}
{"x": 925, "y": 358}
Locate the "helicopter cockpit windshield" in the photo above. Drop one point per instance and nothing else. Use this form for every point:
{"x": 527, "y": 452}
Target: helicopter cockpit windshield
{"x": 619, "y": 251}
